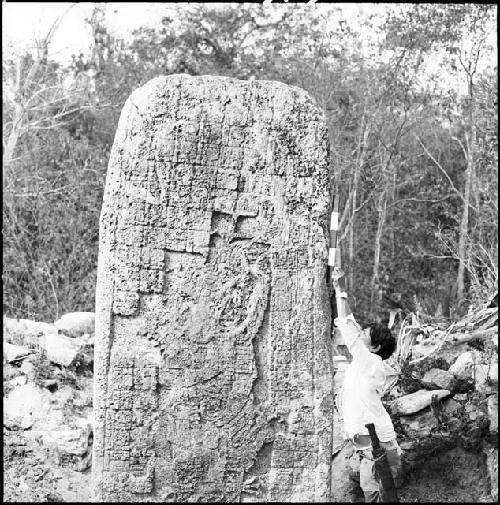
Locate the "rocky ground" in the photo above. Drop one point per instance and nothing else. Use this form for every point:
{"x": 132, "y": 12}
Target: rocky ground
{"x": 47, "y": 424}
{"x": 444, "y": 405}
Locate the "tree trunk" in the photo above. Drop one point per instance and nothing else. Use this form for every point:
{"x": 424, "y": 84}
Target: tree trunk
{"x": 14, "y": 135}
{"x": 470, "y": 141}
{"x": 362, "y": 147}
{"x": 390, "y": 213}
{"x": 377, "y": 246}
{"x": 350, "y": 278}
{"x": 464, "y": 225}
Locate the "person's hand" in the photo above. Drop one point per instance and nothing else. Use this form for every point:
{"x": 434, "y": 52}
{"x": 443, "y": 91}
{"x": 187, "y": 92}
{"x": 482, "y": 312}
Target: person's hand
{"x": 337, "y": 273}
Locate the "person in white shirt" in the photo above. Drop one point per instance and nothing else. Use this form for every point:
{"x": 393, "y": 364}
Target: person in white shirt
{"x": 365, "y": 382}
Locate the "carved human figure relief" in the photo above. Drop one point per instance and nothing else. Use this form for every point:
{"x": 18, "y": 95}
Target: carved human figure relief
{"x": 212, "y": 374}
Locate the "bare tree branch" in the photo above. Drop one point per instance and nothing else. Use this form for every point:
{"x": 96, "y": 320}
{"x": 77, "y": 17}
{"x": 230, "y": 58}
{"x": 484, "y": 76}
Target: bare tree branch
{"x": 421, "y": 200}
{"x": 22, "y": 86}
{"x": 458, "y": 193}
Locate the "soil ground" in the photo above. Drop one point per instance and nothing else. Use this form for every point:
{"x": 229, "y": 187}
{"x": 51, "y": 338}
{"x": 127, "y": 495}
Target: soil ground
{"x": 457, "y": 476}
{"x": 33, "y": 478}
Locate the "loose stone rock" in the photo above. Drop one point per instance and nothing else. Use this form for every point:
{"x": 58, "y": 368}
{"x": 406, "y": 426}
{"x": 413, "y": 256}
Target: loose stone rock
{"x": 438, "y": 378}
{"x": 494, "y": 340}
{"x": 12, "y": 352}
{"x": 493, "y": 413}
{"x": 421, "y": 350}
{"x": 20, "y": 380}
{"x": 64, "y": 395}
{"x": 75, "y": 324}
{"x": 493, "y": 373}
{"x": 449, "y": 352}
{"x": 450, "y": 405}
{"x": 72, "y": 440}
{"x": 463, "y": 367}
{"x": 419, "y": 425}
{"x": 88, "y": 338}
{"x": 492, "y": 467}
{"x": 28, "y": 369}
{"x": 26, "y": 328}
{"x": 61, "y": 349}
{"x": 414, "y": 402}
{"x": 49, "y": 383}
{"x": 25, "y": 405}
{"x": 54, "y": 421}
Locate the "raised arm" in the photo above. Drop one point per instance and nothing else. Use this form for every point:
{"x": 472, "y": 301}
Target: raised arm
{"x": 349, "y": 328}
{"x": 338, "y": 282}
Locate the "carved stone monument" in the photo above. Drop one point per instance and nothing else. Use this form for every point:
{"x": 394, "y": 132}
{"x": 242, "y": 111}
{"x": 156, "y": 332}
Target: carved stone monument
{"x": 213, "y": 379}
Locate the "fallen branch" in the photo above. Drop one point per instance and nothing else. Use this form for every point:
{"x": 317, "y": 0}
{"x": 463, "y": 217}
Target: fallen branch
{"x": 475, "y": 317}
{"x": 458, "y": 338}
{"x": 434, "y": 351}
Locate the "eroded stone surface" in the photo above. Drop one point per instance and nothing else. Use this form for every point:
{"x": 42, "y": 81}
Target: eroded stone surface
{"x": 493, "y": 413}
{"x": 492, "y": 467}
{"x": 414, "y": 402}
{"x": 12, "y": 352}
{"x": 213, "y": 376}
{"x": 438, "y": 378}
{"x": 76, "y": 324}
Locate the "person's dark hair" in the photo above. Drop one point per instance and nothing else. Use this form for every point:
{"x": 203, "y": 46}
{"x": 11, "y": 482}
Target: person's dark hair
{"x": 381, "y": 335}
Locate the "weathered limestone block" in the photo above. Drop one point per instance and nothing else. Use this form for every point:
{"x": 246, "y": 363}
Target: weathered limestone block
{"x": 414, "y": 402}
{"x": 213, "y": 379}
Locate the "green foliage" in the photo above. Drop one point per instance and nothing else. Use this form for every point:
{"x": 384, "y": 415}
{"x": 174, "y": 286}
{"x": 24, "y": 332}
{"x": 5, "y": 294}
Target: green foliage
{"x": 382, "y": 111}
{"x": 51, "y": 211}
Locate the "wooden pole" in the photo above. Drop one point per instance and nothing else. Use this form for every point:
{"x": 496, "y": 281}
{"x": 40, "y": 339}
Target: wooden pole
{"x": 334, "y": 259}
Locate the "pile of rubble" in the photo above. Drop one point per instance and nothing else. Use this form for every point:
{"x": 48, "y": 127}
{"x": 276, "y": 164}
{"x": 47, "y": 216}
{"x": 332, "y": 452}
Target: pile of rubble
{"x": 48, "y": 417}
{"x": 444, "y": 406}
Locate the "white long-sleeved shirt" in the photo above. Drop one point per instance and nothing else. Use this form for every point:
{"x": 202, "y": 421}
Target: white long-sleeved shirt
{"x": 364, "y": 384}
